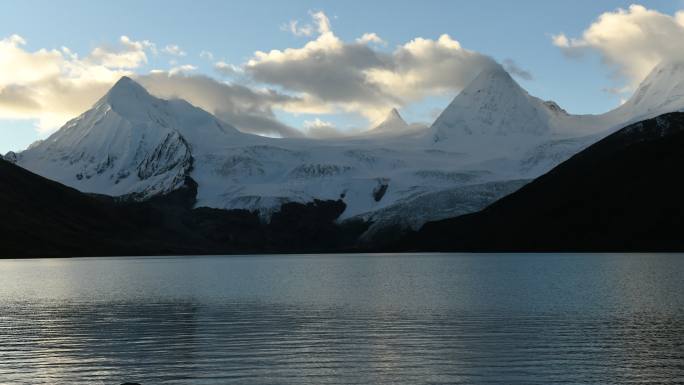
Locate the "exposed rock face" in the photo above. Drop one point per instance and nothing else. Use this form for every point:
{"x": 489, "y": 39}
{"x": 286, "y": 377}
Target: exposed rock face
{"x": 11, "y": 157}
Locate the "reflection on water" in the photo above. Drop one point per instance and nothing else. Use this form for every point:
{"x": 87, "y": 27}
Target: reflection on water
{"x": 406, "y": 319}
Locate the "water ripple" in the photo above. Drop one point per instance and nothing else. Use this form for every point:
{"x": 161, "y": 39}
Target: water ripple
{"x": 229, "y": 336}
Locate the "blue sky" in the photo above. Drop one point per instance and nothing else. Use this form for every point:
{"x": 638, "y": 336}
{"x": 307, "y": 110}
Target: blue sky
{"x": 232, "y": 31}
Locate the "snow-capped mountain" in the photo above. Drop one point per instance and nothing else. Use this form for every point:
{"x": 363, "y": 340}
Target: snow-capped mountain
{"x": 660, "y": 92}
{"x": 129, "y": 144}
{"x": 392, "y": 124}
{"x": 490, "y": 139}
{"x": 492, "y": 104}
{"x": 495, "y": 118}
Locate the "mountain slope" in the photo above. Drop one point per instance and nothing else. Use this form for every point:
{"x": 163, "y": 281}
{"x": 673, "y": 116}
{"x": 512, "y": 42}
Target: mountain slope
{"x": 492, "y": 104}
{"x": 45, "y": 218}
{"x": 622, "y": 193}
{"x": 134, "y": 145}
{"x": 42, "y": 218}
{"x": 660, "y": 92}
{"x": 392, "y": 124}
{"x": 129, "y": 143}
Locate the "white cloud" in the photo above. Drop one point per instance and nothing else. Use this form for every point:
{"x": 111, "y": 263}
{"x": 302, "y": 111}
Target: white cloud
{"x": 425, "y": 67}
{"x": 250, "y": 110}
{"x": 130, "y": 54}
{"x": 227, "y": 68}
{"x": 372, "y": 37}
{"x": 174, "y": 50}
{"x": 322, "y": 22}
{"x": 317, "y": 123}
{"x": 323, "y": 76}
{"x": 318, "y": 128}
{"x": 631, "y": 41}
{"x": 53, "y": 86}
{"x": 182, "y": 69}
{"x": 561, "y": 41}
{"x": 355, "y": 77}
{"x": 207, "y": 55}
{"x": 56, "y": 85}
{"x": 296, "y": 29}
{"x": 514, "y": 69}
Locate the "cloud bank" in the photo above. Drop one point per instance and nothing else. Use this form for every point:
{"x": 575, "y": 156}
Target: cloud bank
{"x": 325, "y": 75}
{"x": 248, "y": 109}
{"x": 357, "y": 76}
{"x": 56, "y": 85}
{"x": 631, "y": 41}
{"x": 53, "y": 86}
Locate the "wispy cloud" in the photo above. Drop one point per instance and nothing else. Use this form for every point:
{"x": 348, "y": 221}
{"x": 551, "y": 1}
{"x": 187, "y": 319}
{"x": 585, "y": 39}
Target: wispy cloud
{"x": 173, "y": 49}
{"x": 207, "y": 55}
{"x": 512, "y": 67}
{"x": 249, "y": 109}
{"x": 228, "y": 69}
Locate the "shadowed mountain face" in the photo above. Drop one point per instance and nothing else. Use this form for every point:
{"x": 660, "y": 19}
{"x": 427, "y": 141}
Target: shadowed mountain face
{"x": 42, "y": 218}
{"x": 623, "y": 193}
{"x": 136, "y": 146}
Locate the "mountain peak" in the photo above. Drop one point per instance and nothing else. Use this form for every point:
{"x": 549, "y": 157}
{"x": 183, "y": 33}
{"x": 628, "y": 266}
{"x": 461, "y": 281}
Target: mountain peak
{"x": 661, "y": 91}
{"x": 490, "y": 77}
{"x": 394, "y": 116}
{"x": 491, "y": 104}
{"x": 393, "y": 123}
{"x": 126, "y": 85}
{"x": 124, "y": 90}
{"x": 124, "y": 80}
{"x": 127, "y": 97}
{"x": 494, "y": 70}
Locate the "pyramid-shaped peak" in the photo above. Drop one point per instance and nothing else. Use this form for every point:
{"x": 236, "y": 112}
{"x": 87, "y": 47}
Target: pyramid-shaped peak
{"x": 393, "y": 115}
{"x": 124, "y": 80}
{"x": 491, "y": 76}
{"x": 126, "y": 83}
{"x": 661, "y": 91}
{"x": 492, "y": 104}
{"x": 128, "y": 98}
{"x": 494, "y": 69}
{"x": 392, "y": 123}
{"x": 124, "y": 89}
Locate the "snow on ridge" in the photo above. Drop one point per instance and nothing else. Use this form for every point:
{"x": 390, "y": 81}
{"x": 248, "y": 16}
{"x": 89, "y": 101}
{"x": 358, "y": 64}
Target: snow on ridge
{"x": 131, "y": 142}
{"x": 492, "y": 104}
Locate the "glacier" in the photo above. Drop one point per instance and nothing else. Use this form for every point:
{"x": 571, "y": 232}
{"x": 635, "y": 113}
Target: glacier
{"x": 490, "y": 140}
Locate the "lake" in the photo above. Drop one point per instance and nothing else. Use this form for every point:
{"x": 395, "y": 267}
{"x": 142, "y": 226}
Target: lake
{"x": 344, "y": 319}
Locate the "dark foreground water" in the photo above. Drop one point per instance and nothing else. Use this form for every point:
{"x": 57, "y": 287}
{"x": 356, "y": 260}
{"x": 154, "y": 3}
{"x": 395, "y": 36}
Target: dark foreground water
{"x": 344, "y": 319}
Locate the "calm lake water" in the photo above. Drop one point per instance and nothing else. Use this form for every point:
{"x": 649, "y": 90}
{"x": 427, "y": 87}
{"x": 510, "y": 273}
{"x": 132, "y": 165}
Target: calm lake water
{"x": 344, "y": 319}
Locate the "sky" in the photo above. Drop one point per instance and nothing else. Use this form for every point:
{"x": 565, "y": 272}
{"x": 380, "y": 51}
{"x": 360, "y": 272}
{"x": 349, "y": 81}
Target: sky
{"x": 320, "y": 68}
